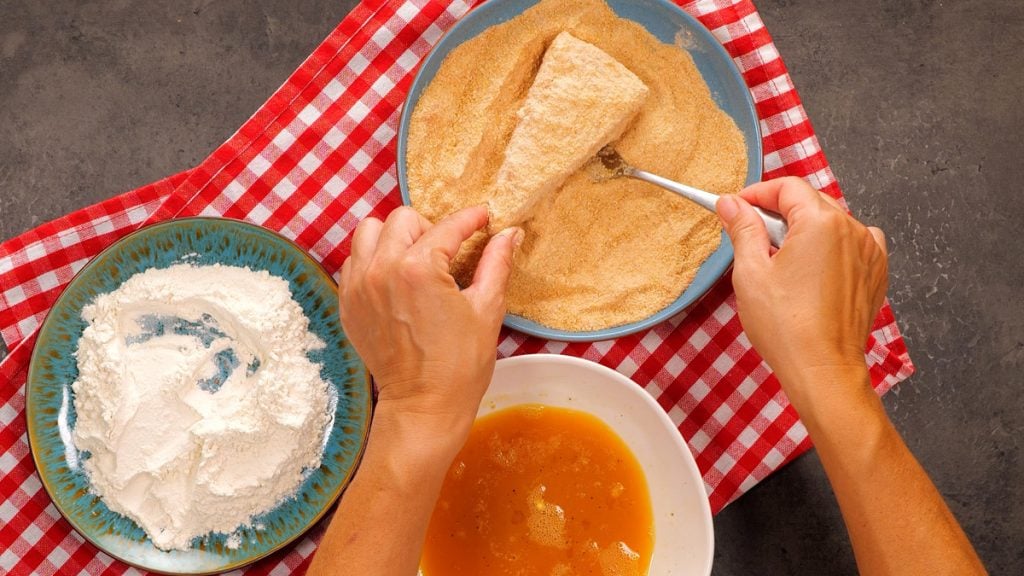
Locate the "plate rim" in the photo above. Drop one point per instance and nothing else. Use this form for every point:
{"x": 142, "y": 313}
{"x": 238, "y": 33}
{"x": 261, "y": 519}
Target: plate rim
{"x": 30, "y": 428}
{"x": 724, "y": 252}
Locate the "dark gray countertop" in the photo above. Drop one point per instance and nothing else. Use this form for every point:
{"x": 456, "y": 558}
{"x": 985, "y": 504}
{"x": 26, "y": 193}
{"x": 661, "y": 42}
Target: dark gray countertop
{"x": 917, "y": 104}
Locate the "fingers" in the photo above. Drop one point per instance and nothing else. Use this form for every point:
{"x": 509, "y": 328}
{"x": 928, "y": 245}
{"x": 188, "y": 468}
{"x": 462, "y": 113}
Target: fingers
{"x": 781, "y": 195}
{"x": 487, "y": 292}
{"x": 832, "y": 202}
{"x": 364, "y": 241}
{"x": 797, "y": 201}
{"x": 882, "y": 277}
{"x": 408, "y": 239}
{"x": 402, "y": 229}
{"x": 881, "y": 259}
{"x": 879, "y": 239}
{"x": 344, "y": 279}
{"x": 746, "y": 230}
{"x": 448, "y": 235}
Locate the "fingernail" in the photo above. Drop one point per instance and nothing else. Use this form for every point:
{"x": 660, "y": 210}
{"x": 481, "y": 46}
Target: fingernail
{"x": 519, "y": 237}
{"x": 516, "y": 233}
{"x": 727, "y": 207}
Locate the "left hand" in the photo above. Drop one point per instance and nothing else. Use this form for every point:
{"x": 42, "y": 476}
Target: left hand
{"x": 429, "y": 345}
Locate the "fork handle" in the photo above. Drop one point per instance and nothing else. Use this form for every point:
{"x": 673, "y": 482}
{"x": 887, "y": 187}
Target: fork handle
{"x": 774, "y": 223}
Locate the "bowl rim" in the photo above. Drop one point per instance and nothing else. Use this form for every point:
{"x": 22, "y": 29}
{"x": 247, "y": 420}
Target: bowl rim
{"x": 724, "y": 252}
{"x": 621, "y": 380}
{"x": 31, "y": 432}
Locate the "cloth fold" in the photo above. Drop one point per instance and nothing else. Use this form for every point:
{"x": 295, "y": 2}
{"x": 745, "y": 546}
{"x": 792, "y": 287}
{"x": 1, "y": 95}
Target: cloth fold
{"x": 318, "y": 157}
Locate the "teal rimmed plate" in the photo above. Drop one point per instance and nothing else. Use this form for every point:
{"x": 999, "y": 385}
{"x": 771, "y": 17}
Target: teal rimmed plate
{"x": 51, "y": 414}
{"x": 667, "y": 22}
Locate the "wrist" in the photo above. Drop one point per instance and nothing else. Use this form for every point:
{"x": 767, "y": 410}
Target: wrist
{"x": 821, "y": 393}
{"x": 844, "y": 417}
{"x": 420, "y": 444}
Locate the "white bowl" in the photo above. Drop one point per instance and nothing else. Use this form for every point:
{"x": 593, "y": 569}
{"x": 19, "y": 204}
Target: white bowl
{"x": 683, "y": 532}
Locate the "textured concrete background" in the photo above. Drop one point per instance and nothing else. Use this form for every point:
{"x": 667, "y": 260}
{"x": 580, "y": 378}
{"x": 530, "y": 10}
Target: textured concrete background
{"x": 916, "y": 102}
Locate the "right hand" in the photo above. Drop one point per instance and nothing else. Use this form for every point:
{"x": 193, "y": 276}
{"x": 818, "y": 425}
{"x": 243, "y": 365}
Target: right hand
{"x": 810, "y": 305}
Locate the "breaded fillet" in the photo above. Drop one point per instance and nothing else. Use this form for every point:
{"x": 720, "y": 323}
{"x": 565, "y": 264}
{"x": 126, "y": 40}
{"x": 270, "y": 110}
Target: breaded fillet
{"x": 580, "y": 100}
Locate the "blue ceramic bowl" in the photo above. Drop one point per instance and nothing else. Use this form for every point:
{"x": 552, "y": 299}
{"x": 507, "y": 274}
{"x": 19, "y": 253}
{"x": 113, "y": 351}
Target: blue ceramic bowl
{"x": 664, "y": 20}
{"x": 51, "y": 413}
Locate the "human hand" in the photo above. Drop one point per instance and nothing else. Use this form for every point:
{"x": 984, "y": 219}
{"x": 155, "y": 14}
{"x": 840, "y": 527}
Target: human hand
{"x": 810, "y": 305}
{"x": 808, "y": 309}
{"x": 429, "y": 345}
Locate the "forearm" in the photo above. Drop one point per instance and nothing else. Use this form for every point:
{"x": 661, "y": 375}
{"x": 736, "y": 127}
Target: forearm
{"x": 382, "y": 520}
{"x": 897, "y": 520}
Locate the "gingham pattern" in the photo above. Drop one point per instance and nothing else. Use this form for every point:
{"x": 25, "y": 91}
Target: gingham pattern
{"x": 318, "y": 157}
{"x": 35, "y": 266}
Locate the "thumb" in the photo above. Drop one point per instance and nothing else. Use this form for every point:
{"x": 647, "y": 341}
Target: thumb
{"x": 487, "y": 292}
{"x": 745, "y": 228}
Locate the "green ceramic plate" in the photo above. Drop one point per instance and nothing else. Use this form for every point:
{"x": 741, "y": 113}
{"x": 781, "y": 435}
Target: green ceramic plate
{"x": 51, "y": 414}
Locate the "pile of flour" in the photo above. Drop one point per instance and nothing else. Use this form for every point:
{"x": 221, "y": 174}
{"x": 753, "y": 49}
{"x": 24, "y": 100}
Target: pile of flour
{"x": 197, "y": 400}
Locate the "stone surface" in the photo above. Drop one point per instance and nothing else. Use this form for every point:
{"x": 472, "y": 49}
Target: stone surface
{"x": 102, "y": 97}
{"x": 916, "y": 103}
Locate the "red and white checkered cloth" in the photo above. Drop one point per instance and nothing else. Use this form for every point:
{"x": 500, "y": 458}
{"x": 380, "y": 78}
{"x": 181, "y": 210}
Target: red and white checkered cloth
{"x": 317, "y": 158}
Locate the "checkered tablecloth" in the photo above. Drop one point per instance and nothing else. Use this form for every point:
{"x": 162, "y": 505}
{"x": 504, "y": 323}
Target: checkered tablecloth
{"x": 317, "y": 158}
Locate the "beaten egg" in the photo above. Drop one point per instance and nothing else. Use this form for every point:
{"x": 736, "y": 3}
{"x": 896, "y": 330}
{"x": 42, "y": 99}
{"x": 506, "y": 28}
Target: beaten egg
{"x": 541, "y": 491}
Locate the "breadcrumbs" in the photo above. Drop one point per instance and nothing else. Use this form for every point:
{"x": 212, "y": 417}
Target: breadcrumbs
{"x": 596, "y": 254}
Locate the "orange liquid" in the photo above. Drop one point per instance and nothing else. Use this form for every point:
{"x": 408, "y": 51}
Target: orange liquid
{"x": 541, "y": 491}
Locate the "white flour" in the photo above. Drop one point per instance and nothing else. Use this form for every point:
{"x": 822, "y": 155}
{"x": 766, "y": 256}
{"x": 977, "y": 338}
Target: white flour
{"x": 197, "y": 400}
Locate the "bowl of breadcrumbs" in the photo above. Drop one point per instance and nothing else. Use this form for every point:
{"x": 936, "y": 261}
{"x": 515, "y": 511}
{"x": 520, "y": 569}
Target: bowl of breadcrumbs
{"x": 513, "y": 102}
